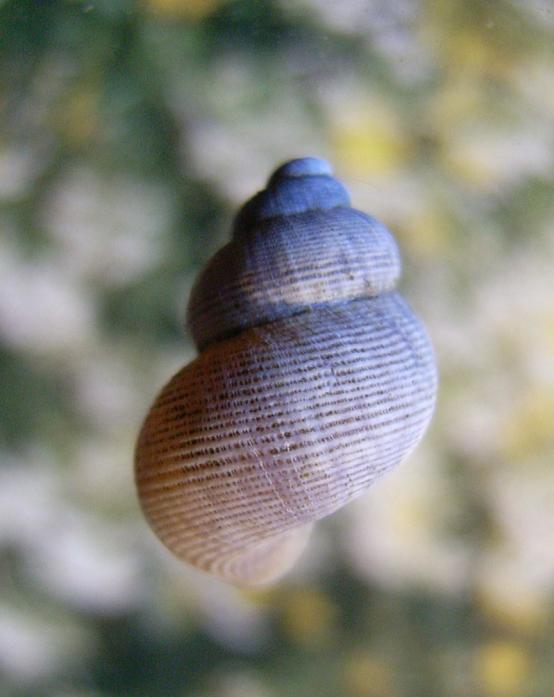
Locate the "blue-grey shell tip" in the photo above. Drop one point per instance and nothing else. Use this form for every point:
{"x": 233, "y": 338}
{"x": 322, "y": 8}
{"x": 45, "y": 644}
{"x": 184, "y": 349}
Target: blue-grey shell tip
{"x": 298, "y": 186}
{"x": 303, "y": 167}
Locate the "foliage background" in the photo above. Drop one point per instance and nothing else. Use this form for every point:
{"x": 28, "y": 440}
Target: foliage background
{"x": 130, "y": 132}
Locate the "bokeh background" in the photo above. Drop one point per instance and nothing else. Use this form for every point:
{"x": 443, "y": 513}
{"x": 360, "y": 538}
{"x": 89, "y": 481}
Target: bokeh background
{"x": 130, "y": 133}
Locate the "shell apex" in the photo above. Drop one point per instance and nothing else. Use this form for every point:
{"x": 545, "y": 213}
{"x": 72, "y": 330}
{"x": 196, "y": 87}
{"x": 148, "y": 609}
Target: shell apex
{"x": 297, "y": 186}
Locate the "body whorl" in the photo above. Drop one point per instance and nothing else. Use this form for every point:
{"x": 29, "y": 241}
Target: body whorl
{"x": 314, "y": 378}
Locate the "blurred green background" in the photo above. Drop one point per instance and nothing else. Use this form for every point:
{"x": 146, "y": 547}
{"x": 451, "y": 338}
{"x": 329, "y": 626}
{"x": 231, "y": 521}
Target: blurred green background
{"x": 130, "y": 133}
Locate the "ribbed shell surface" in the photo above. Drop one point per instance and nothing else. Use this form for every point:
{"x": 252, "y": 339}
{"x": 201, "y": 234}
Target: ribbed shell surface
{"x": 314, "y": 378}
{"x": 280, "y": 425}
{"x": 290, "y": 262}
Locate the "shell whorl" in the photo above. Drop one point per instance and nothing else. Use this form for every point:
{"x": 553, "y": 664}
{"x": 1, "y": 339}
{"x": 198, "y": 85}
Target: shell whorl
{"x": 296, "y": 244}
{"x": 314, "y": 378}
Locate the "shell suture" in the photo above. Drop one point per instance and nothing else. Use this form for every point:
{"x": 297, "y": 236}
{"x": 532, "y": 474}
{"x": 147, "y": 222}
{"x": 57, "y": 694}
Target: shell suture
{"x": 314, "y": 378}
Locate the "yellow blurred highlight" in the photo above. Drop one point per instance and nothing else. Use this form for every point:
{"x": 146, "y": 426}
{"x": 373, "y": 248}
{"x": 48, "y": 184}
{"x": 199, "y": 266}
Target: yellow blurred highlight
{"x": 529, "y": 431}
{"x": 502, "y": 668}
{"x": 79, "y": 117}
{"x": 369, "y": 142}
{"x": 261, "y": 597}
{"x": 193, "y": 10}
{"x": 484, "y": 156}
{"x": 549, "y": 332}
{"x": 365, "y": 675}
{"x": 464, "y": 50}
{"x": 427, "y": 232}
{"x": 465, "y": 158}
{"x": 458, "y": 101}
{"x": 308, "y": 617}
{"x": 469, "y": 51}
{"x": 518, "y": 610}
{"x": 416, "y": 512}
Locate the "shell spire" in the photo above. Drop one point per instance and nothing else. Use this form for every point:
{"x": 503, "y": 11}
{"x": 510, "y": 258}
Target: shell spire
{"x": 314, "y": 378}
{"x": 295, "y": 244}
{"x": 298, "y": 186}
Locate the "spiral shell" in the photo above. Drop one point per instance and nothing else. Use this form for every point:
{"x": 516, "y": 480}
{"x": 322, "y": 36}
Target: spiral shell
{"x": 314, "y": 378}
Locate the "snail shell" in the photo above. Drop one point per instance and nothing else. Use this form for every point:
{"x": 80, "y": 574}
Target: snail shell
{"x": 314, "y": 378}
